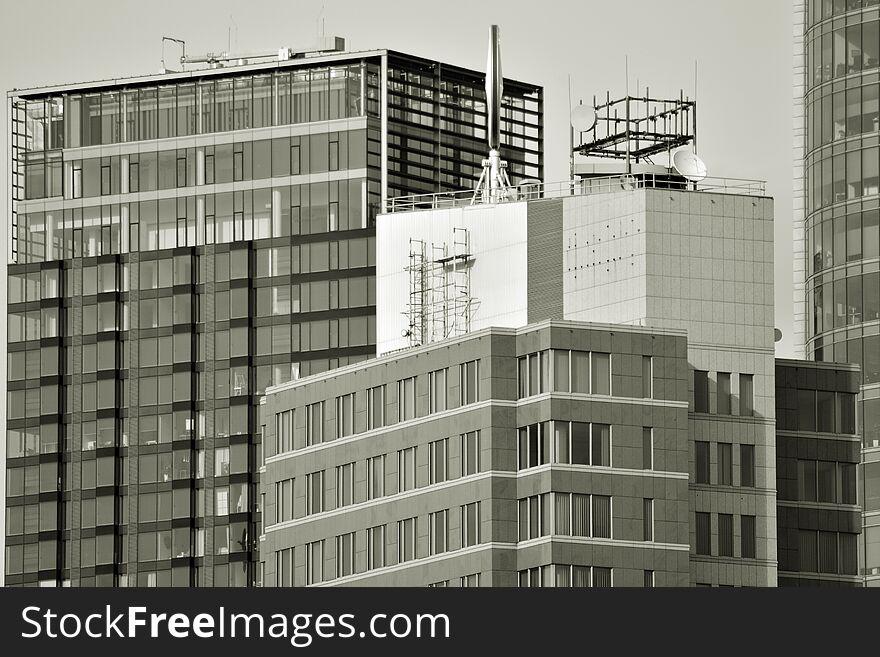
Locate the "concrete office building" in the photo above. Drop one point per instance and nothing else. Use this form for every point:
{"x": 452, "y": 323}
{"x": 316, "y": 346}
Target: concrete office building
{"x": 817, "y": 455}
{"x": 178, "y": 243}
{"x": 651, "y": 250}
{"x": 837, "y": 212}
{"x": 551, "y": 455}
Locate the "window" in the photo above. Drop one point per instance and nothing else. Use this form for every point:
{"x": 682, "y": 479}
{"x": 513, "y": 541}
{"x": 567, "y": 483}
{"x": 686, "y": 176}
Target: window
{"x": 438, "y": 461}
{"x": 345, "y": 551}
{"x": 221, "y": 501}
{"x": 704, "y": 533}
{"x": 647, "y": 377}
{"x": 826, "y": 488}
{"x": 315, "y": 423}
{"x": 535, "y": 577}
{"x": 747, "y": 394}
{"x": 470, "y": 524}
{"x": 747, "y": 526}
{"x": 701, "y": 458}
{"x": 807, "y": 485}
{"x": 561, "y": 380}
{"x": 534, "y": 373}
{"x": 582, "y": 443}
{"x": 406, "y": 469}
{"x": 647, "y": 448}
{"x": 601, "y": 516}
{"x": 534, "y": 516}
{"x": 406, "y": 540}
{"x": 376, "y": 547}
{"x": 470, "y": 453}
{"x": 406, "y": 399}
{"x": 534, "y": 445}
{"x": 376, "y": 407}
{"x": 701, "y": 391}
{"x": 600, "y": 373}
{"x": 437, "y": 391}
{"x": 284, "y": 567}
{"x": 725, "y": 464}
{"x": 723, "y": 393}
{"x": 602, "y": 577}
{"x": 283, "y": 432}
{"x": 345, "y": 415}
{"x": 315, "y": 562}
{"x": 469, "y": 580}
{"x": 470, "y": 376}
{"x": 648, "y": 519}
{"x": 725, "y": 534}
{"x": 828, "y": 552}
{"x": 808, "y": 552}
{"x": 375, "y": 477}
{"x": 344, "y": 485}
{"x": 747, "y": 466}
{"x": 649, "y": 579}
{"x": 284, "y": 500}
{"x": 315, "y": 492}
{"x": 438, "y": 522}
{"x": 221, "y": 462}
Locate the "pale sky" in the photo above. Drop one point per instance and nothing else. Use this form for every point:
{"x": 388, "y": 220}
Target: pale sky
{"x": 743, "y": 49}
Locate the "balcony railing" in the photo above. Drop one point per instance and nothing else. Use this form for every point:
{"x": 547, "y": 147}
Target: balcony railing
{"x": 600, "y": 185}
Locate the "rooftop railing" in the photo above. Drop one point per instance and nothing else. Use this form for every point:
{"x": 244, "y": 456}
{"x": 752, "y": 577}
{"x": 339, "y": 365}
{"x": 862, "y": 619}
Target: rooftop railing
{"x": 534, "y": 190}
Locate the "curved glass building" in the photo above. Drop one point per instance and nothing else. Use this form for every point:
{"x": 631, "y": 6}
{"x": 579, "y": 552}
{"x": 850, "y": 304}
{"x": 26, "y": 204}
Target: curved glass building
{"x": 837, "y": 211}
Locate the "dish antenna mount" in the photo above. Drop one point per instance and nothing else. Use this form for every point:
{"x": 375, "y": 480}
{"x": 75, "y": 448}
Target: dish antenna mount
{"x": 689, "y": 165}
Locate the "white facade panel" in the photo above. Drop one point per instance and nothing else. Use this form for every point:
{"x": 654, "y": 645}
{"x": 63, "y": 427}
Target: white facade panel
{"x": 498, "y": 267}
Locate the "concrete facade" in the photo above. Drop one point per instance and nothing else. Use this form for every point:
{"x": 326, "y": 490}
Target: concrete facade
{"x": 530, "y": 529}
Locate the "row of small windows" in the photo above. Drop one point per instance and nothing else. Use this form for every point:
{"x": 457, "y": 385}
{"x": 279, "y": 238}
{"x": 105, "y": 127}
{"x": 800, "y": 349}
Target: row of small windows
{"x": 305, "y": 427}
{"x": 570, "y": 371}
{"x": 569, "y": 514}
{"x": 179, "y": 110}
{"x": 377, "y": 540}
{"x": 844, "y": 50}
{"x": 845, "y": 302}
{"x": 837, "y": 115}
{"x": 825, "y": 411}
{"x": 180, "y": 270}
{"x": 356, "y": 482}
{"x": 843, "y": 177}
{"x": 822, "y": 481}
{"x": 818, "y": 10}
{"x": 565, "y": 575}
{"x": 187, "y": 167}
{"x": 222, "y": 218}
{"x": 826, "y": 552}
{"x": 725, "y": 398}
{"x": 577, "y": 443}
{"x": 724, "y": 465}
{"x": 724, "y": 543}
{"x": 843, "y": 238}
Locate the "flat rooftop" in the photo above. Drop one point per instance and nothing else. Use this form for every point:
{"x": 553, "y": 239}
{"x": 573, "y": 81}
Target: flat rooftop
{"x": 309, "y": 61}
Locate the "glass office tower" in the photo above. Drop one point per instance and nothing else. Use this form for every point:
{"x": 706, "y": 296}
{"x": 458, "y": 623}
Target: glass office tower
{"x": 840, "y": 142}
{"x": 178, "y": 243}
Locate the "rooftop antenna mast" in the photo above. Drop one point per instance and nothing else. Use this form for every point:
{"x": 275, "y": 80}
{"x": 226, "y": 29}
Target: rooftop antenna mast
{"x": 494, "y": 185}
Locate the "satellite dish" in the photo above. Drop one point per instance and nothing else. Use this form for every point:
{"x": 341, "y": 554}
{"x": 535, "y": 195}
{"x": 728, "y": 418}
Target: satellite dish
{"x": 777, "y": 335}
{"x": 583, "y": 118}
{"x": 687, "y": 164}
{"x": 628, "y": 182}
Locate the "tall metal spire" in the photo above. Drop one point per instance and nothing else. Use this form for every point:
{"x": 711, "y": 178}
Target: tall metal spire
{"x": 494, "y": 185}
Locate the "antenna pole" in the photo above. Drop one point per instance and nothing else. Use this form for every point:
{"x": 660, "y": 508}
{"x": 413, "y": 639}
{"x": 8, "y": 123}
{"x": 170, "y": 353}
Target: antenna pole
{"x": 695, "y": 107}
{"x": 570, "y": 136}
{"x": 626, "y": 68}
